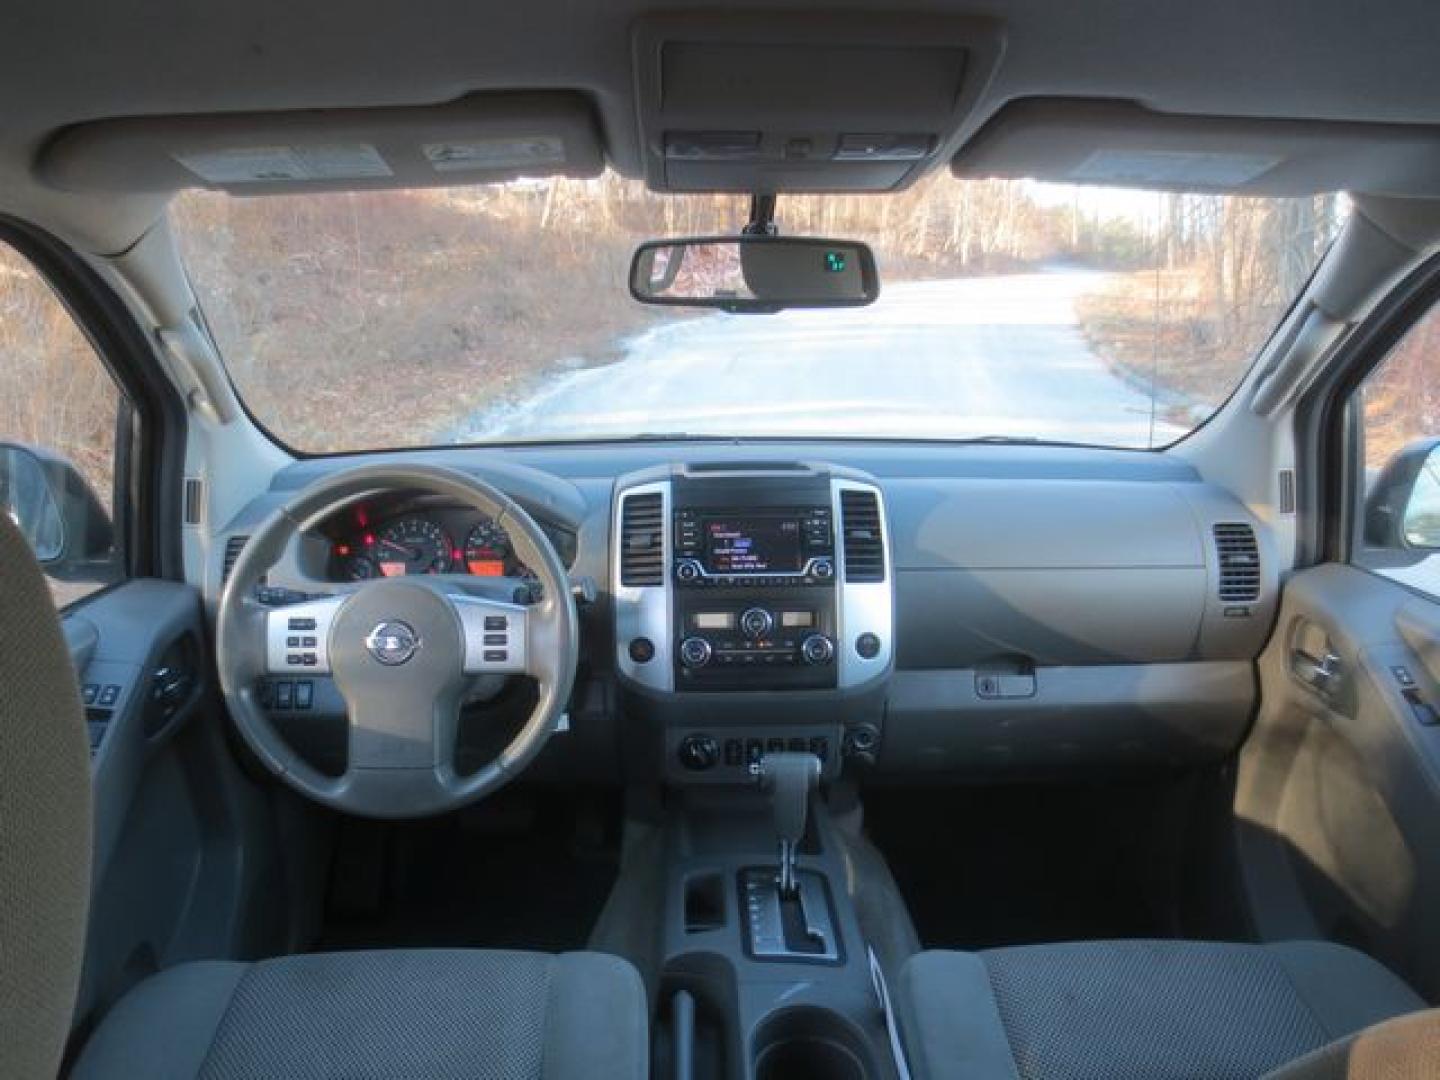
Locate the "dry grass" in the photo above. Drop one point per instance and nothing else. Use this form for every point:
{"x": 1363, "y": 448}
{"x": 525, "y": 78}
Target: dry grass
{"x": 54, "y": 391}
{"x": 1165, "y": 327}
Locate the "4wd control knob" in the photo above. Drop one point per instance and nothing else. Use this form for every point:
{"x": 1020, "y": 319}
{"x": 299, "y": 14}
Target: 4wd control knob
{"x": 694, "y": 652}
{"x": 756, "y": 623}
{"x": 817, "y": 649}
{"x": 699, "y": 752}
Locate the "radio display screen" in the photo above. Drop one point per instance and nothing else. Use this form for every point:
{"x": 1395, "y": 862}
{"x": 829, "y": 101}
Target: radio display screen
{"x": 758, "y": 545}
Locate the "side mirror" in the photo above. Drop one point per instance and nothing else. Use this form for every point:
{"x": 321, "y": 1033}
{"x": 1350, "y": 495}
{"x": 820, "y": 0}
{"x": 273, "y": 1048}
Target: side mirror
{"x": 55, "y": 510}
{"x": 1421, "y": 522}
{"x": 1402, "y": 509}
{"x": 755, "y": 273}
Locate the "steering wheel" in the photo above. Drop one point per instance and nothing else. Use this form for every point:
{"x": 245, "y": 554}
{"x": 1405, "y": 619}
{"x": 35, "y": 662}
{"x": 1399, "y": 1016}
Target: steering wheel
{"x": 401, "y": 651}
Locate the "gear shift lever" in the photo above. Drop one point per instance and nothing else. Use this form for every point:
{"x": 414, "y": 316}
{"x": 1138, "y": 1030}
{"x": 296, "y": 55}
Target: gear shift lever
{"x": 789, "y": 778}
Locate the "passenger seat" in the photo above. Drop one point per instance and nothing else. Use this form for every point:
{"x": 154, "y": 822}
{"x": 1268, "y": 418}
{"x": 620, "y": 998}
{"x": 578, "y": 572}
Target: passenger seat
{"x": 1152, "y": 1009}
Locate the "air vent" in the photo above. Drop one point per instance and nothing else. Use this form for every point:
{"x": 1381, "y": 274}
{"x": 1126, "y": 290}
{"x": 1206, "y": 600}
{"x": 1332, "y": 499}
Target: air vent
{"x": 1239, "y": 558}
{"x": 233, "y": 546}
{"x": 864, "y": 542}
{"x": 194, "y": 500}
{"x": 1287, "y": 491}
{"x": 642, "y": 540}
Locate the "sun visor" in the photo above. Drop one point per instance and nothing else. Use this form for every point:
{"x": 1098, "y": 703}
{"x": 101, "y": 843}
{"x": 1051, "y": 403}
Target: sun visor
{"x": 789, "y": 102}
{"x": 1120, "y": 144}
{"x": 479, "y": 139}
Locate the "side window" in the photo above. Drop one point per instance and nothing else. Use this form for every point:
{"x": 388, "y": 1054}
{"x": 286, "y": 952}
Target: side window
{"x": 1399, "y": 524}
{"x": 59, "y": 410}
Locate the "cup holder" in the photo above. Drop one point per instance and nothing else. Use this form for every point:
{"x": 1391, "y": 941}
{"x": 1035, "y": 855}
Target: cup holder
{"x": 806, "y": 1043}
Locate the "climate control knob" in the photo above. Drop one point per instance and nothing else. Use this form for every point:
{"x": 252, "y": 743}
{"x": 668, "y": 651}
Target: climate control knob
{"x": 699, "y": 752}
{"x": 817, "y": 649}
{"x": 756, "y": 623}
{"x": 694, "y": 652}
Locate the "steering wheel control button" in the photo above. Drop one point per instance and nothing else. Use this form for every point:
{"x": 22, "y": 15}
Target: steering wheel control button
{"x": 868, "y": 646}
{"x": 496, "y": 622}
{"x": 699, "y": 752}
{"x": 393, "y": 642}
{"x": 302, "y": 624}
{"x": 642, "y": 650}
{"x": 817, "y": 649}
{"x": 694, "y": 652}
{"x": 496, "y": 656}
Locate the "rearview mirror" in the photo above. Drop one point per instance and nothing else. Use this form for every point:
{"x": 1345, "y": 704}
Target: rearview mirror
{"x": 755, "y": 273}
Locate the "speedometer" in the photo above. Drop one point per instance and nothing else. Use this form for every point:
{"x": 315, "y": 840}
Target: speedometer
{"x": 487, "y": 550}
{"x": 412, "y": 545}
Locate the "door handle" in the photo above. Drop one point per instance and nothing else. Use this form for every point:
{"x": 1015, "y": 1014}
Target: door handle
{"x": 1319, "y": 673}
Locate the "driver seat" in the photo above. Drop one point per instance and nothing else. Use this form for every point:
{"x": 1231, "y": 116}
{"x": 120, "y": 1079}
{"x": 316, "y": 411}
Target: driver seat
{"x": 434, "y": 1013}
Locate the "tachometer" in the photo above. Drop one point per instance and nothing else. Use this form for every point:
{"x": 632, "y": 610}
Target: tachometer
{"x": 412, "y": 545}
{"x": 487, "y": 550}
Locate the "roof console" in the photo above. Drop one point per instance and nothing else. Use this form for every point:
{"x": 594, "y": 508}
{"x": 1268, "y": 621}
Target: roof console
{"x": 833, "y": 102}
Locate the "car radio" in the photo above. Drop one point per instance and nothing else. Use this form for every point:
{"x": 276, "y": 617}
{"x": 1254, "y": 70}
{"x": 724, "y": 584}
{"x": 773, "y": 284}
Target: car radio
{"x": 754, "y": 597}
{"x": 737, "y": 548}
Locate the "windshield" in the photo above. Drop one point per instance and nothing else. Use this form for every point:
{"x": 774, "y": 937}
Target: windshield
{"x": 1009, "y": 309}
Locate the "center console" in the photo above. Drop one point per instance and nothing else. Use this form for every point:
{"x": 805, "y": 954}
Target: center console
{"x": 754, "y": 613}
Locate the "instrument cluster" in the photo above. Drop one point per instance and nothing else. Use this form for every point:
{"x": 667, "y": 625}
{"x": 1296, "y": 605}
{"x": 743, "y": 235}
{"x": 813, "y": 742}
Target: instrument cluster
{"x": 371, "y": 542}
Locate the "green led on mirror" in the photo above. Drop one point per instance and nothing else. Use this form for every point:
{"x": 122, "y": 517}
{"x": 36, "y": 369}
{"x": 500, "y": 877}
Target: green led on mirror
{"x": 835, "y": 262}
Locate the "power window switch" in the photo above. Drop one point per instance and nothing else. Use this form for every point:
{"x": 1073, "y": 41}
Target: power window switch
{"x": 88, "y": 693}
{"x": 1403, "y": 676}
{"x": 1425, "y": 713}
{"x": 109, "y": 695}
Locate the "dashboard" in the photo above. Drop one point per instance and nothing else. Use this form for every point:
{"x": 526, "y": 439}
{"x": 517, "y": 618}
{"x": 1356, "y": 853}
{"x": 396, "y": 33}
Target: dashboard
{"x": 898, "y": 610}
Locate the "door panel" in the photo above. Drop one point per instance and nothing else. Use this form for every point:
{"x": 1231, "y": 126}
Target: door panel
{"x": 1338, "y": 798}
{"x": 173, "y": 814}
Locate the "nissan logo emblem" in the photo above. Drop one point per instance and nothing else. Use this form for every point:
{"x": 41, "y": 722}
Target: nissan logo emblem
{"x": 392, "y": 642}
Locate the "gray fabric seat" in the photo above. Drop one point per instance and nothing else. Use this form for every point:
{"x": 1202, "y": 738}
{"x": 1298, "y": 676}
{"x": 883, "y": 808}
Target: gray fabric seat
{"x": 435, "y": 1014}
{"x": 44, "y": 819}
{"x": 1137, "y": 1009}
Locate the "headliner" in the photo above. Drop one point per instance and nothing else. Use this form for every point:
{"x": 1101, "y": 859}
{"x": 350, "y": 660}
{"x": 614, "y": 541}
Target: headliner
{"x": 62, "y": 64}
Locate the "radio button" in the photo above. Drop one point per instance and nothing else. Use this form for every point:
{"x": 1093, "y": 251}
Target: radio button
{"x": 817, "y": 649}
{"x": 694, "y": 652}
{"x": 822, "y": 570}
{"x": 756, "y": 623}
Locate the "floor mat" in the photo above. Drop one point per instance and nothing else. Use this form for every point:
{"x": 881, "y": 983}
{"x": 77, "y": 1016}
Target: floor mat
{"x": 503, "y": 876}
{"x": 985, "y": 866}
